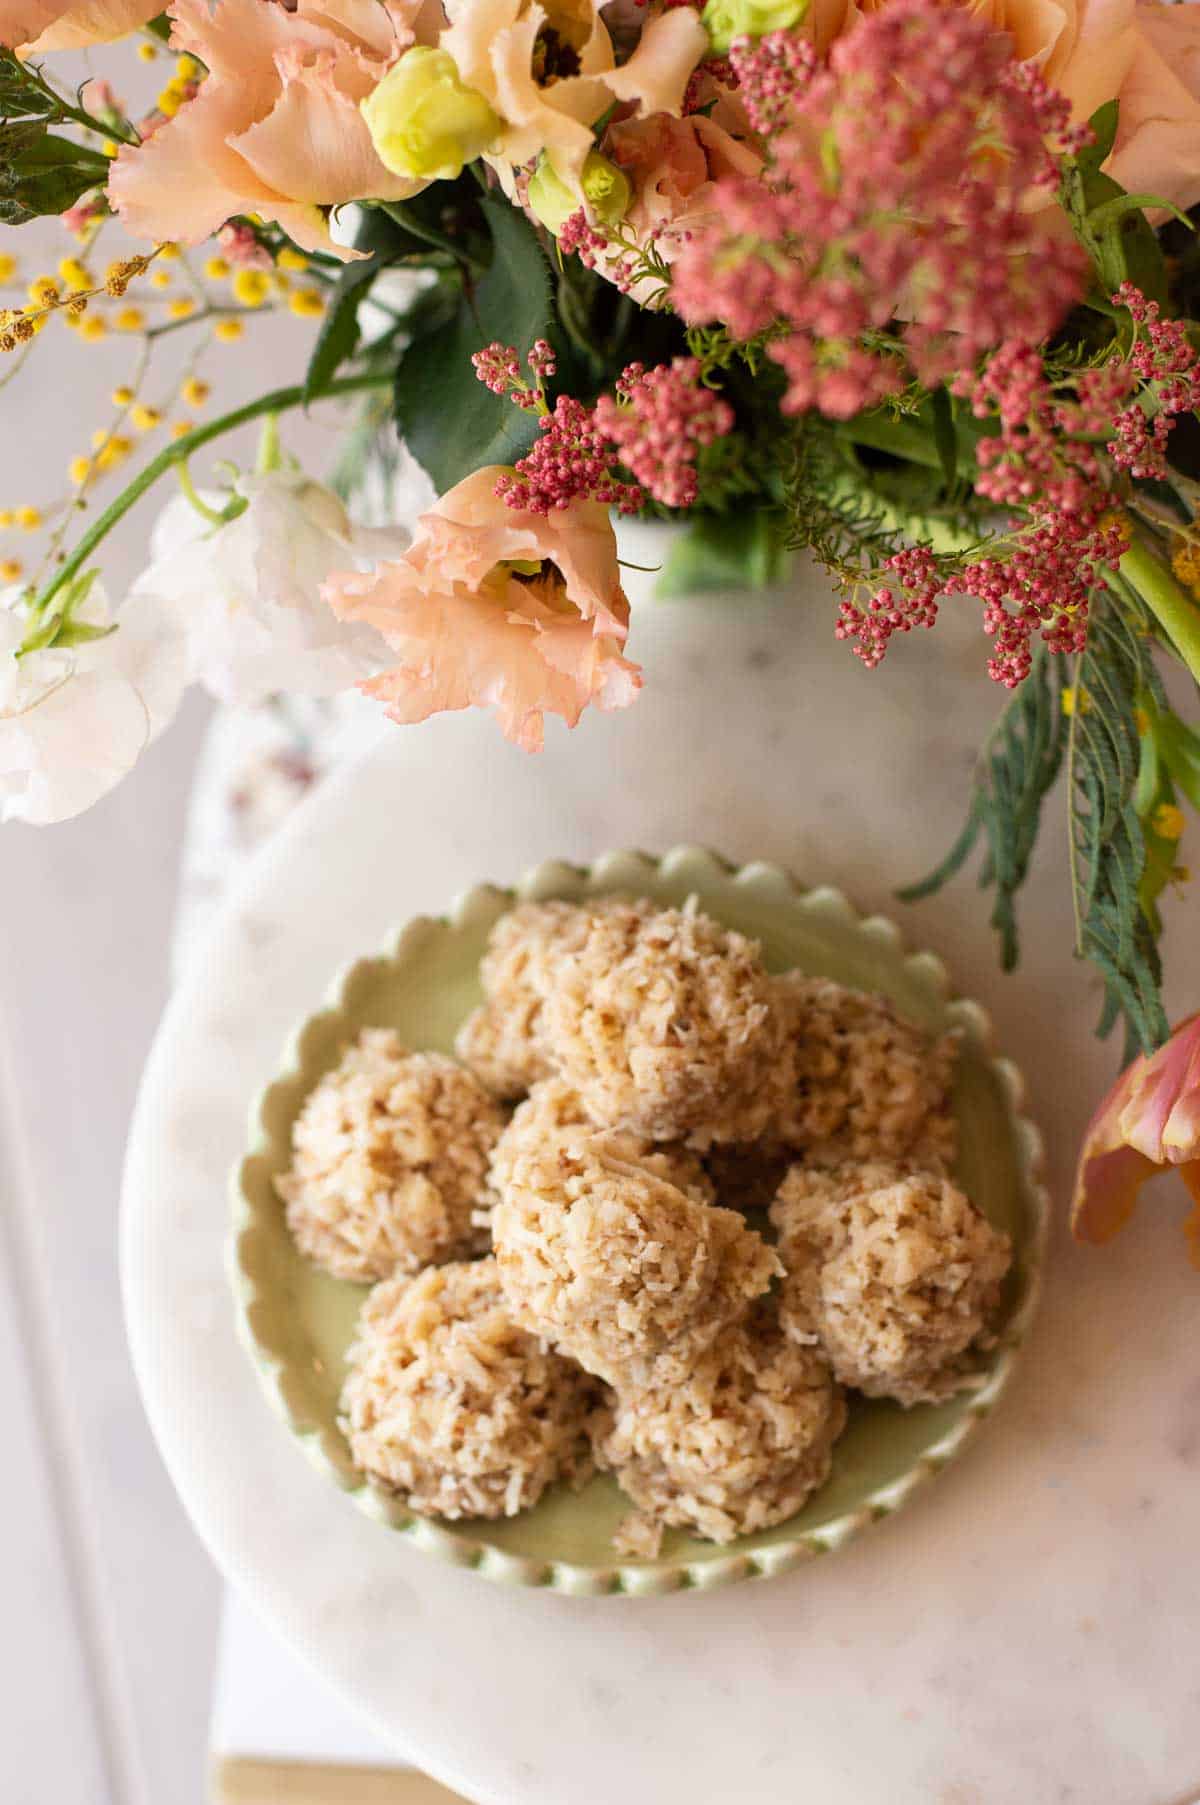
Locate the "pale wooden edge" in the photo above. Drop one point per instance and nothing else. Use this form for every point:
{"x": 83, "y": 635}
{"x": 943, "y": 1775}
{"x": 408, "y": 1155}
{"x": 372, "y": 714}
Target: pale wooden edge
{"x": 240, "y": 1781}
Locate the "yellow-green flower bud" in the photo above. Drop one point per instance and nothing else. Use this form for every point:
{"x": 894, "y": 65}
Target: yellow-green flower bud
{"x": 423, "y": 119}
{"x": 605, "y": 187}
{"x": 726, "y": 20}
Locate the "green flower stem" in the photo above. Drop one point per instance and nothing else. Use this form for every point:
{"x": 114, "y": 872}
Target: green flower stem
{"x": 1172, "y": 607}
{"x": 178, "y": 453}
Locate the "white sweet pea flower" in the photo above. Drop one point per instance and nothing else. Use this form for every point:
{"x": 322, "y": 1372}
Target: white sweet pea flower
{"x": 74, "y": 719}
{"x": 247, "y": 592}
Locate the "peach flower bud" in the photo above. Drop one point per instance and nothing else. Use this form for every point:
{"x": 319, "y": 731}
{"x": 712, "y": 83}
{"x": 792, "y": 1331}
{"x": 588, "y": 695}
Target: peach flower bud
{"x": 424, "y": 121}
{"x": 1148, "y": 1123}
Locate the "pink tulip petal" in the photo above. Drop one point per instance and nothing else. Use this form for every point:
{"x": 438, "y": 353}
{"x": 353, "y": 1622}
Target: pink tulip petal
{"x": 1162, "y": 1098}
{"x": 1106, "y": 1193}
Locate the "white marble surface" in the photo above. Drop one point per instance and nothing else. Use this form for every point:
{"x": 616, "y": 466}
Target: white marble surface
{"x": 1026, "y": 1633}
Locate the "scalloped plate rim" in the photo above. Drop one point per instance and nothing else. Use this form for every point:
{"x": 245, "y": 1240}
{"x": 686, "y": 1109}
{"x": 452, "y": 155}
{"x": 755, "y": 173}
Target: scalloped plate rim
{"x": 665, "y": 1574}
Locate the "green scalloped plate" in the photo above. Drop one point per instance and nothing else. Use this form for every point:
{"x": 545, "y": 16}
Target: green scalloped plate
{"x": 296, "y": 1322}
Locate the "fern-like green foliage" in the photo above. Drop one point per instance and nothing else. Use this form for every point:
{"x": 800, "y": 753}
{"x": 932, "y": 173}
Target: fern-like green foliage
{"x": 1100, "y": 744}
{"x": 1108, "y": 849}
{"x": 1017, "y": 769}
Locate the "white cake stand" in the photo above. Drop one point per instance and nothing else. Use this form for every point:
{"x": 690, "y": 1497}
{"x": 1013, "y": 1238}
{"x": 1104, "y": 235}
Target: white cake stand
{"x": 1022, "y": 1635}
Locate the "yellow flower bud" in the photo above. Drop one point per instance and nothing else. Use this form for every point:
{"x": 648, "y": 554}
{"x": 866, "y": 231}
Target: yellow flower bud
{"x": 146, "y": 418}
{"x": 188, "y": 69}
{"x": 251, "y": 287}
{"x": 79, "y": 470}
{"x": 92, "y": 328}
{"x": 29, "y": 519}
{"x": 228, "y": 330}
{"x": 75, "y": 274}
{"x": 147, "y": 53}
{"x": 195, "y": 391}
{"x": 216, "y": 269}
{"x": 8, "y": 266}
{"x": 1168, "y": 821}
{"x": 44, "y": 291}
{"x": 182, "y": 428}
{"x": 307, "y": 303}
{"x": 168, "y": 251}
{"x": 7, "y": 518}
{"x": 109, "y": 147}
{"x": 605, "y": 188}
{"x": 171, "y": 98}
{"x": 129, "y": 319}
{"x": 290, "y": 259}
{"x": 181, "y": 308}
{"x": 160, "y": 279}
{"x": 423, "y": 119}
{"x": 10, "y": 569}
{"x": 726, "y": 20}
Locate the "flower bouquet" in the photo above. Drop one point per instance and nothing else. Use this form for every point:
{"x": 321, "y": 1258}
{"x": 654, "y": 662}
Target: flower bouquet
{"x": 911, "y": 286}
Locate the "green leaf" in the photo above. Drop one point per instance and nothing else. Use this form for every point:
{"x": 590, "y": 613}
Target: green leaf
{"x": 338, "y": 338}
{"x": 41, "y": 173}
{"x": 945, "y": 433}
{"x": 727, "y": 551}
{"x": 451, "y": 423}
{"x": 1104, "y": 129}
{"x": 20, "y": 95}
{"x": 1016, "y": 773}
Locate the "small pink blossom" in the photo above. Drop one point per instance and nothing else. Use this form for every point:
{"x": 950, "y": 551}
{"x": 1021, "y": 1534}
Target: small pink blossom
{"x": 1148, "y": 1123}
{"x": 238, "y": 243}
{"x": 474, "y": 626}
{"x": 657, "y": 423}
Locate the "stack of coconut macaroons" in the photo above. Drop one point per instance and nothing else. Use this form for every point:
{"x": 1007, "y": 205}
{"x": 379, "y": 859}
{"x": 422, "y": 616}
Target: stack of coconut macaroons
{"x": 568, "y": 1285}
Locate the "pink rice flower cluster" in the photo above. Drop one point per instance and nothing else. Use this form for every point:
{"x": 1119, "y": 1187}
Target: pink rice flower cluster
{"x": 1052, "y": 462}
{"x": 622, "y": 261}
{"x": 654, "y": 427}
{"x": 771, "y": 73}
{"x": 658, "y": 420}
{"x": 894, "y": 235}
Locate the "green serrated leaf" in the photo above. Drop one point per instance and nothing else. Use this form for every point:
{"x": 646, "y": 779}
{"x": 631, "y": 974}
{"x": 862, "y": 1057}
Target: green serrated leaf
{"x": 46, "y": 174}
{"x": 338, "y": 338}
{"x": 451, "y": 423}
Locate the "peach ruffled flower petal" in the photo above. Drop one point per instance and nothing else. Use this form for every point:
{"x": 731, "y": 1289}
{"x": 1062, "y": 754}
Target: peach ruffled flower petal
{"x": 73, "y": 27}
{"x": 275, "y": 128}
{"x": 317, "y": 129}
{"x": 468, "y": 632}
{"x": 1148, "y": 1123}
{"x": 657, "y": 74}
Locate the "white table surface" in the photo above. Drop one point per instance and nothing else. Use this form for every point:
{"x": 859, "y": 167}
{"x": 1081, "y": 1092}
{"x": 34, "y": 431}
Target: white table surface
{"x": 1027, "y": 1631}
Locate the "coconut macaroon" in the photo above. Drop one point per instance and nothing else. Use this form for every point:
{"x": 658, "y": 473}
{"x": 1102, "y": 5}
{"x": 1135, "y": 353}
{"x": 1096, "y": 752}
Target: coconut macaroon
{"x": 736, "y": 1444}
{"x": 894, "y": 1271}
{"x": 868, "y": 1084}
{"x": 451, "y": 1404}
{"x": 552, "y": 1109}
{"x": 616, "y": 1266}
{"x": 663, "y": 1025}
{"x": 389, "y": 1162}
{"x": 502, "y": 1040}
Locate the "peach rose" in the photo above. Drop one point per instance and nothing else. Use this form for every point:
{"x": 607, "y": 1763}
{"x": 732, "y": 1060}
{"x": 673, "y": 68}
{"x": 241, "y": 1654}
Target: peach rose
{"x": 672, "y": 166}
{"x": 276, "y": 127}
{"x": 31, "y": 27}
{"x": 494, "y": 607}
{"x": 550, "y": 74}
{"x": 1140, "y": 52}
